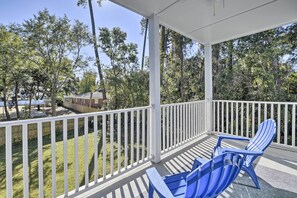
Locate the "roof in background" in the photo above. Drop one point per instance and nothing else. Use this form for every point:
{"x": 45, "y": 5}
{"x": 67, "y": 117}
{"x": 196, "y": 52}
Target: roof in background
{"x": 96, "y": 95}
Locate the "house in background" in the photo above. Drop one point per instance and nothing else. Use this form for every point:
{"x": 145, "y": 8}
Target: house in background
{"x": 90, "y": 99}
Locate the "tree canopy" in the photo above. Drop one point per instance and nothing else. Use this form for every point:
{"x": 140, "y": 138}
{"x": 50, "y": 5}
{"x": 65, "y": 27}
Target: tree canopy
{"x": 57, "y": 46}
{"x": 42, "y": 57}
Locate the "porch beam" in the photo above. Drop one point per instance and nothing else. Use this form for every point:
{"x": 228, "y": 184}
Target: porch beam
{"x": 154, "y": 67}
{"x": 208, "y": 85}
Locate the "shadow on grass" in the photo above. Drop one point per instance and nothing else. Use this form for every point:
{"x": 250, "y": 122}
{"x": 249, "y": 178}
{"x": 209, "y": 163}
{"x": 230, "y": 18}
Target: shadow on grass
{"x": 17, "y": 163}
{"x": 92, "y": 162}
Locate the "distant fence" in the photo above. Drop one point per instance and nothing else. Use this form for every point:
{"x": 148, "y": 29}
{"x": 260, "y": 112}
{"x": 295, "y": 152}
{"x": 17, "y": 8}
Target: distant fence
{"x": 32, "y": 129}
{"x": 79, "y": 108}
{"x": 17, "y": 135}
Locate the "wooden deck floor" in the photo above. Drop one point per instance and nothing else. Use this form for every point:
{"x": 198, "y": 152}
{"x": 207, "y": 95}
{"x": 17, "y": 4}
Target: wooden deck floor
{"x": 277, "y": 171}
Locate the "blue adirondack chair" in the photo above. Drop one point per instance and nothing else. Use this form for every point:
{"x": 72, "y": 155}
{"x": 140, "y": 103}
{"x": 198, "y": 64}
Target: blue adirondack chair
{"x": 263, "y": 138}
{"x": 208, "y": 178}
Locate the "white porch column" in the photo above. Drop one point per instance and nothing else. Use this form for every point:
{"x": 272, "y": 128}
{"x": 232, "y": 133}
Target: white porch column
{"x": 208, "y": 85}
{"x": 154, "y": 64}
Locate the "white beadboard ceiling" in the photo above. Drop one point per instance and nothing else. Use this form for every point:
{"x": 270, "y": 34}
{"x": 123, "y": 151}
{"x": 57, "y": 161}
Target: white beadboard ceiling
{"x": 196, "y": 19}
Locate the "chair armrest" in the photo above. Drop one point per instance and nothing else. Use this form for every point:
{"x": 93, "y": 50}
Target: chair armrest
{"x": 230, "y": 137}
{"x": 243, "y": 152}
{"x": 157, "y": 183}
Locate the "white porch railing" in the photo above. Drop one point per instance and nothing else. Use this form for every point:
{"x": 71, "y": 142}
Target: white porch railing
{"x": 243, "y": 117}
{"x": 119, "y": 140}
{"x": 115, "y": 141}
{"x": 181, "y": 122}
{"x": 125, "y": 142}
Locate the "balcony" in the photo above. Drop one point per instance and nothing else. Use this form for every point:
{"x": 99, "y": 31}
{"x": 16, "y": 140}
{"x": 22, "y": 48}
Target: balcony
{"x": 107, "y": 153}
{"x": 104, "y": 154}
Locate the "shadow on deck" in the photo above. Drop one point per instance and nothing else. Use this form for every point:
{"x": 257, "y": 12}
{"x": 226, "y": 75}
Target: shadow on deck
{"x": 277, "y": 172}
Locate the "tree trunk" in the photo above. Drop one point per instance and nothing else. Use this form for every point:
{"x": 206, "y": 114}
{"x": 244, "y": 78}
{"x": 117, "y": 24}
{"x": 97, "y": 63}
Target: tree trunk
{"x": 163, "y": 52}
{"x": 216, "y": 69}
{"x": 30, "y": 103}
{"x": 144, "y": 44}
{"x": 164, "y": 39}
{"x": 4, "y": 99}
{"x": 38, "y": 106}
{"x": 230, "y": 57}
{"x": 116, "y": 96}
{"x": 90, "y": 102}
{"x": 96, "y": 50}
{"x": 181, "y": 56}
{"x": 16, "y": 99}
{"x": 53, "y": 103}
{"x": 5, "y": 106}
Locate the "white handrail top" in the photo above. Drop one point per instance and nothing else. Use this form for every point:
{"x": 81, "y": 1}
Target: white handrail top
{"x": 66, "y": 117}
{"x": 261, "y": 102}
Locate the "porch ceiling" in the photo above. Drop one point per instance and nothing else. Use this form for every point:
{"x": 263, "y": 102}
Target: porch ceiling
{"x": 195, "y": 19}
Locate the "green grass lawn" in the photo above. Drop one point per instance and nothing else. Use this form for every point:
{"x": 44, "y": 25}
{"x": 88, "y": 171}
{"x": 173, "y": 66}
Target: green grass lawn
{"x": 47, "y": 164}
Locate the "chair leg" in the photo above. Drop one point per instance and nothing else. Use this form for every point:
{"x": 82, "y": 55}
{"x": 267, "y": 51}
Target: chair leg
{"x": 251, "y": 172}
{"x": 151, "y": 191}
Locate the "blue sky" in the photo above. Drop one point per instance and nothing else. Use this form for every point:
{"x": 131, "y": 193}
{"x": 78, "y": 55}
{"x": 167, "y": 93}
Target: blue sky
{"x": 109, "y": 15}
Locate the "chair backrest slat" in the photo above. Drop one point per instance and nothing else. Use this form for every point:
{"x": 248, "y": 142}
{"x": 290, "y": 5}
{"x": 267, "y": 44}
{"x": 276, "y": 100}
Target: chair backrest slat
{"x": 263, "y": 138}
{"x": 234, "y": 171}
{"x": 216, "y": 179}
{"x": 213, "y": 177}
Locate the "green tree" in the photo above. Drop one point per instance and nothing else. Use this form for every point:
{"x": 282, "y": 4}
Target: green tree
{"x": 84, "y": 3}
{"x": 19, "y": 77}
{"x": 21, "y": 70}
{"x": 255, "y": 67}
{"x": 292, "y": 86}
{"x": 178, "y": 67}
{"x": 10, "y": 47}
{"x": 123, "y": 59}
{"x": 87, "y": 83}
{"x": 58, "y": 48}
